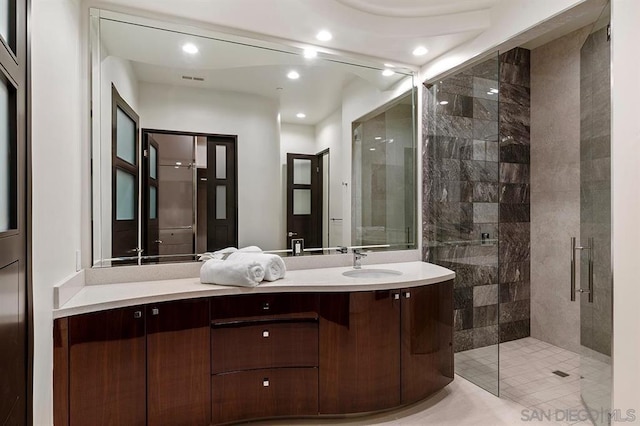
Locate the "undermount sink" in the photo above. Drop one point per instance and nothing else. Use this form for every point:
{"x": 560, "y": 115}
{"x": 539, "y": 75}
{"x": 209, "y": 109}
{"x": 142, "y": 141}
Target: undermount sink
{"x": 371, "y": 273}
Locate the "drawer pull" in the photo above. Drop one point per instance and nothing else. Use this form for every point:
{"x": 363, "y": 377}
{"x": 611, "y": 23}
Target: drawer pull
{"x": 137, "y": 314}
{"x": 407, "y": 295}
{"x": 396, "y": 296}
{"x": 265, "y": 306}
{"x": 265, "y": 382}
{"x": 155, "y": 311}
{"x": 265, "y": 333}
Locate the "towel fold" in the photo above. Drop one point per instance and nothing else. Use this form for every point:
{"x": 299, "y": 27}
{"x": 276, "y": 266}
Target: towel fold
{"x": 273, "y": 265}
{"x": 224, "y": 272}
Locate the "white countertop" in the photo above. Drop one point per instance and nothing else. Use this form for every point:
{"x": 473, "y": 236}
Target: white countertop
{"x": 100, "y": 297}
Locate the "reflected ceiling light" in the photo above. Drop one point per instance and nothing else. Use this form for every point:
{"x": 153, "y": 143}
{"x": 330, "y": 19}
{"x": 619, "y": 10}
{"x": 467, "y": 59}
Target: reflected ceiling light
{"x": 190, "y": 48}
{"x": 372, "y": 149}
{"x": 310, "y": 53}
{"x": 419, "y": 51}
{"x": 492, "y": 90}
{"x": 324, "y": 35}
{"x": 444, "y": 102}
{"x": 378, "y": 138}
{"x": 301, "y": 115}
{"x": 178, "y": 163}
{"x": 390, "y": 140}
{"x": 293, "y": 75}
{"x": 388, "y": 73}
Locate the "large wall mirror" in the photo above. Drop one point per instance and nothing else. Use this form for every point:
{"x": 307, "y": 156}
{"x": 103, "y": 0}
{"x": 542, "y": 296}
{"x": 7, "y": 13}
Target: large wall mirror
{"x": 203, "y": 141}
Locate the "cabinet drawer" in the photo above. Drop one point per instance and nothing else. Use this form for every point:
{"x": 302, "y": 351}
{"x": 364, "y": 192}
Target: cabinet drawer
{"x": 264, "y": 393}
{"x": 263, "y": 306}
{"x": 268, "y": 344}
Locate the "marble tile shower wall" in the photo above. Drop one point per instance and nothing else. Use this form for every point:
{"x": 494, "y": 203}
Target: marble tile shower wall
{"x": 476, "y": 195}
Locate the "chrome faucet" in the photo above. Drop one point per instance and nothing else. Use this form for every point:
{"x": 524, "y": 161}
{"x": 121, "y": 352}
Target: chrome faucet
{"x": 357, "y": 257}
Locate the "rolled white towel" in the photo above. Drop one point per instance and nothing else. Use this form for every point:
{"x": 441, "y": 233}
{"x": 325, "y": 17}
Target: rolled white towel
{"x": 274, "y": 267}
{"x": 224, "y": 272}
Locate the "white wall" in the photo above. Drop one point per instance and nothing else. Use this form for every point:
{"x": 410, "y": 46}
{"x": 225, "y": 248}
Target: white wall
{"x": 625, "y": 158}
{"x": 254, "y": 120}
{"x": 328, "y": 134}
{"x": 58, "y": 84}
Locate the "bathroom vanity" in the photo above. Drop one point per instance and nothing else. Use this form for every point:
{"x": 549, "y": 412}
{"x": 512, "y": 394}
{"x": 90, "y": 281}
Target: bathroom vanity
{"x": 316, "y": 343}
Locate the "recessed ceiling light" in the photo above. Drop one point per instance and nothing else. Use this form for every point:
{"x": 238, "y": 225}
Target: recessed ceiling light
{"x": 492, "y": 90}
{"x": 372, "y": 149}
{"x": 444, "y": 102}
{"x": 388, "y": 73}
{"x": 178, "y": 163}
{"x": 324, "y": 35}
{"x": 310, "y": 53}
{"x": 419, "y": 51}
{"x": 190, "y": 48}
{"x": 301, "y": 115}
{"x": 293, "y": 75}
{"x": 378, "y": 138}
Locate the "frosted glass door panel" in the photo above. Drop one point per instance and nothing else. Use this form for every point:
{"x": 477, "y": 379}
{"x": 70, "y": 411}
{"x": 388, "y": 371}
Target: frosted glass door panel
{"x": 221, "y": 162}
{"x": 126, "y": 137}
{"x": 301, "y": 201}
{"x": 125, "y": 195}
{"x": 301, "y": 172}
{"x": 153, "y": 202}
{"x": 153, "y": 162}
{"x": 5, "y": 19}
{"x": 221, "y": 202}
{"x": 5, "y": 165}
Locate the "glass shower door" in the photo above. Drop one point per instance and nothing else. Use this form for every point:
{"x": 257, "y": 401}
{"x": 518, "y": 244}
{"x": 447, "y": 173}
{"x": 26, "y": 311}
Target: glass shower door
{"x": 594, "y": 289}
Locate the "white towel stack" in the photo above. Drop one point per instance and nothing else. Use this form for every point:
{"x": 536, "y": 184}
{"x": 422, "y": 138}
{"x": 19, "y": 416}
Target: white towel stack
{"x": 273, "y": 265}
{"x": 223, "y": 272}
{"x": 246, "y": 267}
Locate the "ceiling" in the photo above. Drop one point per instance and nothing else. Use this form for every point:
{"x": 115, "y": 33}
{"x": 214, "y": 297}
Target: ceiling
{"x": 156, "y": 56}
{"x": 385, "y": 29}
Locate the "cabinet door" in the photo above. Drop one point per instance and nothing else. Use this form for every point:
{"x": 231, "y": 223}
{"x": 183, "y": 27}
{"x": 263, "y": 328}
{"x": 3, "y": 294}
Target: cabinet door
{"x": 107, "y": 368}
{"x": 178, "y": 363}
{"x": 427, "y": 340}
{"x": 359, "y": 352}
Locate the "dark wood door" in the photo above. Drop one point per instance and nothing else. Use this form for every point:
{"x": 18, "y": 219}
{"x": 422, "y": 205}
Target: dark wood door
{"x": 427, "y": 340}
{"x": 125, "y": 163}
{"x": 107, "y": 368}
{"x": 178, "y": 363}
{"x": 304, "y": 199}
{"x": 15, "y": 355}
{"x": 222, "y": 192}
{"x": 151, "y": 191}
{"x": 359, "y": 352}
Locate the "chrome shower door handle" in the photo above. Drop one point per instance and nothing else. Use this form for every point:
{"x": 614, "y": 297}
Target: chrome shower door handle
{"x": 573, "y": 269}
{"x": 589, "y": 290}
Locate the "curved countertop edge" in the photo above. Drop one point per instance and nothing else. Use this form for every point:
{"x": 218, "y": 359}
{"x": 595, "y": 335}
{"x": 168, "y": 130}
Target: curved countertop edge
{"x": 94, "y": 298}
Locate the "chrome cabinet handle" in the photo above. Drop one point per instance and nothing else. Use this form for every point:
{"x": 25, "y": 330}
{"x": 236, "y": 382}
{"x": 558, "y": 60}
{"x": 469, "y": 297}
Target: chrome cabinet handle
{"x": 265, "y": 306}
{"x": 158, "y": 241}
{"x": 265, "y": 382}
{"x": 292, "y": 234}
{"x": 396, "y": 296}
{"x": 137, "y": 314}
{"x": 155, "y": 311}
{"x": 407, "y": 295}
{"x": 265, "y": 333}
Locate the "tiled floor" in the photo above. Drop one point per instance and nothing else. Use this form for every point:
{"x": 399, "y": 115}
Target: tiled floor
{"x": 526, "y": 376}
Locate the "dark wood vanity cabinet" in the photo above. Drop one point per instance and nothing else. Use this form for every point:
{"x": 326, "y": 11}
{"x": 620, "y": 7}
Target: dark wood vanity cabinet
{"x": 134, "y": 366}
{"x": 235, "y": 358}
{"x": 384, "y": 349}
{"x": 178, "y": 363}
{"x": 107, "y": 363}
{"x": 264, "y": 356}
